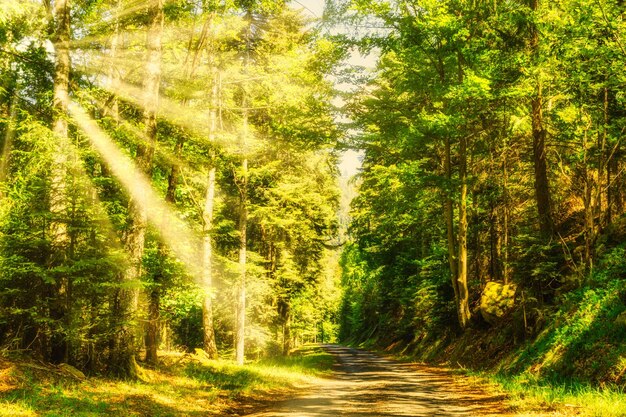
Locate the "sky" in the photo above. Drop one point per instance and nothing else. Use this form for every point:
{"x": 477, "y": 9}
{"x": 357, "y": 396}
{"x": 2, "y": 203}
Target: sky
{"x": 350, "y": 160}
{"x": 314, "y": 8}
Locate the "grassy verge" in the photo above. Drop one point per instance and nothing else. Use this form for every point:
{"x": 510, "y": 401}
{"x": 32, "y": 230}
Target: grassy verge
{"x": 187, "y": 385}
{"x": 528, "y": 394}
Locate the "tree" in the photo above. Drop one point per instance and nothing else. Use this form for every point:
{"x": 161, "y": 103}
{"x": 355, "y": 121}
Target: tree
{"x": 123, "y": 353}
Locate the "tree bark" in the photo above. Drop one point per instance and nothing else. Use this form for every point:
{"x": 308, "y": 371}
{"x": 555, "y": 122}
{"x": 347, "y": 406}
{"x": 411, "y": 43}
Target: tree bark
{"x": 588, "y": 204}
{"x": 145, "y": 153}
{"x": 7, "y": 145}
{"x": 210, "y": 347}
{"x": 125, "y": 346}
{"x": 449, "y": 216}
{"x": 243, "y": 214}
{"x": 112, "y": 109}
{"x": 286, "y": 319}
{"x": 243, "y": 223}
{"x": 505, "y": 215}
{"x": 542, "y": 187}
{"x": 463, "y": 301}
{"x": 58, "y": 191}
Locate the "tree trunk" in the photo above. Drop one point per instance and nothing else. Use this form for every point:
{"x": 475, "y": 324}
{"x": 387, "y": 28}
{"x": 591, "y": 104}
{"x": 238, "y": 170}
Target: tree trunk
{"x": 58, "y": 192}
{"x": 463, "y": 301}
{"x": 144, "y": 156}
{"x": 542, "y": 188}
{"x": 154, "y": 312}
{"x": 603, "y": 165}
{"x": 241, "y": 303}
{"x": 286, "y": 319}
{"x": 588, "y": 204}
{"x": 7, "y": 145}
{"x": 112, "y": 109}
{"x": 125, "y": 346}
{"x": 210, "y": 347}
{"x": 505, "y": 216}
{"x": 243, "y": 214}
{"x": 449, "y": 215}
{"x": 243, "y": 223}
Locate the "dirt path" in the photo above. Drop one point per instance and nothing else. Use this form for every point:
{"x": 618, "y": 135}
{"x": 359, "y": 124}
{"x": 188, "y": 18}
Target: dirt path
{"x": 366, "y": 385}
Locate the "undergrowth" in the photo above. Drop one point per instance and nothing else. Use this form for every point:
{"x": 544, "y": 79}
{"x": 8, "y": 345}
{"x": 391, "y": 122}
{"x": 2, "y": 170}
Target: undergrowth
{"x": 581, "y": 399}
{"x": 187, "y": 385}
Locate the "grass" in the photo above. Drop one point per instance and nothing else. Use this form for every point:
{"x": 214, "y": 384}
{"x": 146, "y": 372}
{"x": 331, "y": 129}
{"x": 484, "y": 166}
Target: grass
{"x": 529, "y": 395}
{"x": 182, "y": 386}
{"x": 566, "y": 398}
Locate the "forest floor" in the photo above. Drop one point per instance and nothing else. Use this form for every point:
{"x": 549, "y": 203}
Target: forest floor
{"x": 182, "y": 385}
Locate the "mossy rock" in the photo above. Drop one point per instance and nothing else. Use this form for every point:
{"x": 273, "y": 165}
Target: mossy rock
{"x": 70, "y": 370}
{"x": 621, "y": 319}
{"x": 497, "y": 300}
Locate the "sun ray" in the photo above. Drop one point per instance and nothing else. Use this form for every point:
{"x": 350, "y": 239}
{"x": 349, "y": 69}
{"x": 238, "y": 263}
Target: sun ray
{"x": 194, "y": 121}
{"x": 180, "y": 238}
{"x": 139, "y": 136}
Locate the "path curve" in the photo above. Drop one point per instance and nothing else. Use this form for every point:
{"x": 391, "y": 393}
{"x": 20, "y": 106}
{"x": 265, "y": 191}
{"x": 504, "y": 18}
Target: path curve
{"x": 367, "y": 385}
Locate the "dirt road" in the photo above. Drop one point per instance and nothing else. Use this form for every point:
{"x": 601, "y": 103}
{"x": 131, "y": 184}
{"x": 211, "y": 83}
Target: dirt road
{"x": 366, "y": 385}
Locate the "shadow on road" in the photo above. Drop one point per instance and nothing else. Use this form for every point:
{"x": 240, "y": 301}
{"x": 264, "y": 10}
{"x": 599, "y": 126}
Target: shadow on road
{"x": 367, "y": 385}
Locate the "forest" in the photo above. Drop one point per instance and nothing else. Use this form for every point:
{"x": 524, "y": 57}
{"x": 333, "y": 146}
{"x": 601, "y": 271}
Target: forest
{"x": 172, "y": 193}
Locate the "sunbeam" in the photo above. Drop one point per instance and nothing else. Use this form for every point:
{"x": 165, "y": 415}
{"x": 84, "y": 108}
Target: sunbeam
{"x": 139, "y": 136}
{"x": 182, "y": 241}
{"x": 192, "y": 120}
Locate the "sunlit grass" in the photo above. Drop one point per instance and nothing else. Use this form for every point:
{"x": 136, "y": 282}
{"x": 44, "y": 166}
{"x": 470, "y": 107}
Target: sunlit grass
{"x": 572, "y": 398}
{"x": 190, "y": 385}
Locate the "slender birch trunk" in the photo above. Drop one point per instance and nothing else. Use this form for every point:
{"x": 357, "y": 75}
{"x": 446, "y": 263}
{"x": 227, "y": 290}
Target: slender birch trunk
{"x": 209, "y": 344}
{"x": 243, "y": 223}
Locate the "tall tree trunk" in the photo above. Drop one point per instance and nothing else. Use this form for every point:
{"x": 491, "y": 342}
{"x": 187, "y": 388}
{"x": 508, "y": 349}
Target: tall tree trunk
{"x": 449, "y": 216}
{"x": 154, "y": 313}
{"x": 153, "y": 324}
{"x": 7, "y": 145}
{"x": 505, "y": 215}
{"x": 243, "y": 223}
{"x": 145, "y": 155}
{"x": 123, "y": 357}
{"x": 58, "y": 192}
{"x": 210, "y": 347}
{"x": 603, "y": 164}
{"x": 463, "y": 302}
{"x": 285, "y": 313}
{"x": 243, "y": 212}
{"x": 588, "y": 204}
{"x": 112, "y": 109}
{"x": 542, "y": 188}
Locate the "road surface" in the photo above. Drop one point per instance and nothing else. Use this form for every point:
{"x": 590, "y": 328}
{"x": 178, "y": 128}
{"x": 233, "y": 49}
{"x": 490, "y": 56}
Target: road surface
{"x": 366, "y": 385}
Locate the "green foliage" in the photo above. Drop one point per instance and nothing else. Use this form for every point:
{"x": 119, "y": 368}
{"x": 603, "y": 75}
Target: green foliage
{"x": 460, "y": 98}
{"x": 63, "y": 300}
{"x": 582, "y": 340}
